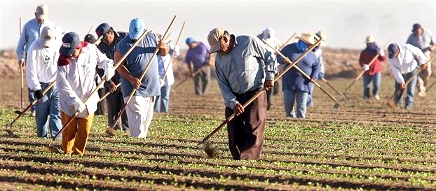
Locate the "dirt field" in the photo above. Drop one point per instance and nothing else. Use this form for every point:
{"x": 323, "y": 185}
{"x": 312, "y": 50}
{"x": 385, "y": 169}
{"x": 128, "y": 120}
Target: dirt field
{"x": 363, "y": 145}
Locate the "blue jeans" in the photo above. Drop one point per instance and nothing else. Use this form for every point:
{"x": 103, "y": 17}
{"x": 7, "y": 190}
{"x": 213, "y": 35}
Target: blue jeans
{"x": 31, "y": 97}
{"x": 376, "y": 79}
{"x": 161, "y": 104}
{"x": 410, "y": 89}
{"x": 47, "y": 112}
{"x": 289, "y": 97}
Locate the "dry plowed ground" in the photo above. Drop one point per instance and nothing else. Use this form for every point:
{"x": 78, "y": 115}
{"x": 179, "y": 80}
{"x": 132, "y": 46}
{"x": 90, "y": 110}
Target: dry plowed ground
{"x": 361, "y": 145}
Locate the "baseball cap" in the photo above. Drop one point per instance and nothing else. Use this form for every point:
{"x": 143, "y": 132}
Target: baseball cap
{"x": 136, "y": 28}
{"x": 392, "y": 49}
{"x": 416, "y": 26}
{"x": 90, "y": 38}
{"x": 70, "y": 41}
{"x": 102, "y": 29}
{"x": 189, "y": 40}
{"x": 41, "y": 11}
{"x": 48, "y": 35}
{"x": 213, "y": 38}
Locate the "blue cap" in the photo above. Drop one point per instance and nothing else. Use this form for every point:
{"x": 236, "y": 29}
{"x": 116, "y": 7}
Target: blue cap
{"x": 102, "y": 29}
{"x": 136, "y": 28}
{"x": 70, "y": 41}
{"x": 189, "y": 41}
{"x": 392, "y": 49}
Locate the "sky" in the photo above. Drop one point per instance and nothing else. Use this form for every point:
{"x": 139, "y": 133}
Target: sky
{"x": 346, "y": 23}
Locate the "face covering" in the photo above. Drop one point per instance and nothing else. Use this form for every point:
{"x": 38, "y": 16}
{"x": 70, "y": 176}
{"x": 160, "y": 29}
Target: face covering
{"x": 302, "y": 46}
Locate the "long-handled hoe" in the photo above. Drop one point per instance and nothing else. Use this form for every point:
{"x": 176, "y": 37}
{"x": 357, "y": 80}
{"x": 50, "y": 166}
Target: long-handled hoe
{"x": 111, "y": 130}
{"x": 207, "y": 146}
{"x": 54, "y": 149}
{"x": 9, "y": 130}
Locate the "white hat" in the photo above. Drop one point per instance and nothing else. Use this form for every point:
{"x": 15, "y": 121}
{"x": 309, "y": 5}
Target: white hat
{"x": 322, "y": 35}
{"x": 268, "y": 33}
{"x": 48, "y": 35}
{"x": 41, "y": 11}
{"x": 307, "y": 37}
{"x": 370, "y": 39}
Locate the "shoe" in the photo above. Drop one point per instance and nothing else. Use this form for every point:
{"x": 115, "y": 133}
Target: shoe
{"x": 377, "y": 97}
{"x": 33, "y": 114}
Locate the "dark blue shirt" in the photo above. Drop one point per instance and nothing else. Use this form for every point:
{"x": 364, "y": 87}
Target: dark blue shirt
{"x": 136, "y": 62}
{"x": 294, "y": 80}
{"x": 108, "y": 50}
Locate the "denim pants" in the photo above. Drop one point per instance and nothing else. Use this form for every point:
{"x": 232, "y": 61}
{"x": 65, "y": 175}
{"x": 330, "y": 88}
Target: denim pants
{"x": 410, "y": 89}
{"x": 47, "y": 112}
{"x": 161, "y": 104}
{"x": 290, "y": 97}
{"x": 376, "y": 79}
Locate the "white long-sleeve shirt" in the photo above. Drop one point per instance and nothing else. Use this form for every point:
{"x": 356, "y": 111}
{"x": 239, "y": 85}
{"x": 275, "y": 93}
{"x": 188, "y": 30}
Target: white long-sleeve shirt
{"x": 75, "y": 81}
{"x": 165, "y": 62}
{"x": 41, "y": 64}
{"x": 405, "y": 61}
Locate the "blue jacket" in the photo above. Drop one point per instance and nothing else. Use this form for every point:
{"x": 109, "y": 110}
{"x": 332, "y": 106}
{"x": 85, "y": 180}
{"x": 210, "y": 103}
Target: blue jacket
{"x": 294, "y": 80}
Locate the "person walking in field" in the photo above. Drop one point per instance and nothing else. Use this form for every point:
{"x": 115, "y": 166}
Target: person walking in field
{"x": 405, "y": 60}
{"x": 140, "y": 108}
{"x": 296, "y": 87}
{"x": 197, "y": 58}
{"x": 114, "y": 100}
{"x": 243, "y": 66}
{"x": 269, "y": 36}
{"x": 424, "y": 40}
{"x": 318, "y": 53}
{"x": 166, "y": 77}
{"x": 373, "y": 71}
{"x": 30, "y": 32}
{"x": 75, "y": 81}
{"x": 41, "y": 69}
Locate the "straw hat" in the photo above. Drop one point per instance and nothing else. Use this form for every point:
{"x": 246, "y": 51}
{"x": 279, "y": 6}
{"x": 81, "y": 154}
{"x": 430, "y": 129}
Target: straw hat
{"x": 322, "y": 35}
{"x": 370, "y": 39}
{"x": 307, "y": 37}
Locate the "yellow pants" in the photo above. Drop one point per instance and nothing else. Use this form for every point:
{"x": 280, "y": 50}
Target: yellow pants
{"x": 75, "y": 135}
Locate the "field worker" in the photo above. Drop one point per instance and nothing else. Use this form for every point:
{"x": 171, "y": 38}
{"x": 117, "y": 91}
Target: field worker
{"x": 424, "y": 40}
{"x": 30, "y": 32}
{"x": 373, "y": 72}
{"x": 269, "y": 36}
{"x": 243, "y": 66}
{"x": 140, "y": 108}
{"x": 404, "y": 65}
{"x": 115, "y": 100}
{"x": 75, "y": 80}
{"x": 318, "y": 53}
{"x": 197, "y": 58}
{"x": 166, "y": 77}
{"x": 296, "y": 88}
{"x": 41, "y": 68}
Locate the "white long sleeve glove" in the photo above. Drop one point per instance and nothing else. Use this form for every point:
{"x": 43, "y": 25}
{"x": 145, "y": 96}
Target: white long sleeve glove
{"x": 109, "y": 72}
{"x": 381, "y": 52}
{"x": 162, "y": 82}
{"x": 365, "y": 67}
{"x": 79, "y": 106}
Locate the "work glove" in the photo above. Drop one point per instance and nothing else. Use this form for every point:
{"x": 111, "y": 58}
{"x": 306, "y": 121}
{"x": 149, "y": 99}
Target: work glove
{"x": 162, "y": 82}
{"x": 365, "y": 67}
{"x": 38, "y": 94}
{"x": 381, "y": 52}
{"x": 79, "y": 106}
{"x": 109, "y": 72}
